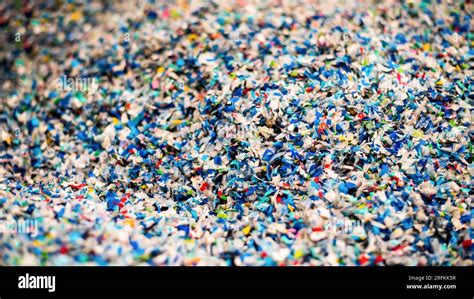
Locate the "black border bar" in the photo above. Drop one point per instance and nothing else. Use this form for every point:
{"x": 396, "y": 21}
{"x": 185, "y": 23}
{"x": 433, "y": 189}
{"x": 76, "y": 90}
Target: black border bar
{"x": 242, "y": 282}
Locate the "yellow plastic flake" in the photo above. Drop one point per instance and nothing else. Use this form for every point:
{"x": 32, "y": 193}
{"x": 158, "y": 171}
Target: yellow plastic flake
{"x": 418, "y": 134}
{"x": 176, "y": 122}
{"x": 76, "y": 16}
{"x": 129, "y": 222}
{"x": 426, "y": 47}
{"x": 115, "y": 120}
{"x": 246, "y": 230}
{"x": 192, "y": 261}
{"x": 291, "y": 207}
{"x": 160, "y": 70}
{"x": 175, "y": 13}
{"x": 8, "y": 140}
{"x": 298, "y": 254}
{"x": 46, "y": 58}
{"x": 192, "y": 36}
{"x": 222, "y": 215}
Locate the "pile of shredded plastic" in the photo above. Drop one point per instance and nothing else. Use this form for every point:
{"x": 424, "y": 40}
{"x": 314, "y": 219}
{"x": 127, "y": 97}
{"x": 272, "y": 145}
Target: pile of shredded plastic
{"x": 237, "y": 133}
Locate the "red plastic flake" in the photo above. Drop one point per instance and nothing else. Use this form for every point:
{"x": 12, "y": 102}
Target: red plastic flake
{"x": 77, "y": 187}
{"x": 466, "y": 243}
{"x": 363, "y": 259}
{"x": 399, "y": 247}
{"x": 379, "y": 259}
{"x": 63, "y": 249}
{"x": 204, "y": 186}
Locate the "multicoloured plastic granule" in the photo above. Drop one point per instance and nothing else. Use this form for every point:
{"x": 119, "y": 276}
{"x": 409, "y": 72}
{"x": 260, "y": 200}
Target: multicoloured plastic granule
{"x": 236, "y": 133}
